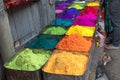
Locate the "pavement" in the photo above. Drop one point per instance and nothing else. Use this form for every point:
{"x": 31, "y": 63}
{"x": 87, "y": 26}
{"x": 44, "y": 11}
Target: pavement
{"x": 113, "y": 68}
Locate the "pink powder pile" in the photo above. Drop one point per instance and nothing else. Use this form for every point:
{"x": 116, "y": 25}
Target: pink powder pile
{"x": 86, "y": 20}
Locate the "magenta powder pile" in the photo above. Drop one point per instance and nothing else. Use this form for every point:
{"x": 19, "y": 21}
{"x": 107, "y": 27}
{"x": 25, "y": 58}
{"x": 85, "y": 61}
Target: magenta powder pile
{"x": 58, "y": 11}
{"x": 62, "y": 7}
{"x": 86, "y": 20}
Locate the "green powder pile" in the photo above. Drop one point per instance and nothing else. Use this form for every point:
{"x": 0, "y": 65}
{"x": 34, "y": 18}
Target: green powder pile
{"x": 55, "y": 30}
{"x": 28, "y": 60}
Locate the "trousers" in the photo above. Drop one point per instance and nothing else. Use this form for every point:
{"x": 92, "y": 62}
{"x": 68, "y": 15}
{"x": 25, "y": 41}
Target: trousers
{"x": 114, "y": 7}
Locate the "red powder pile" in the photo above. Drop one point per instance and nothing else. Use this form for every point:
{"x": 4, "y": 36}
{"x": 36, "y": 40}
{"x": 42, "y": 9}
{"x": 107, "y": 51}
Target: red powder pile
{"x": 75, "y": 42}
{"x": 94, "y": 10}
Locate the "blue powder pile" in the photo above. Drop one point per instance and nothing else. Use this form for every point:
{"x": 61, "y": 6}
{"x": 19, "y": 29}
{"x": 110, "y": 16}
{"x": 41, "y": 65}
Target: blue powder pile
{"x": 62, "y": 22}
{"x": 72, "y": 11}
{"x": 44, "y": 42}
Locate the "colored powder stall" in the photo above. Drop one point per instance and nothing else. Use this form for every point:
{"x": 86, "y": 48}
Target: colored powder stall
{"x": 44, "y": 42}
{"x": 77, "y": 6}
{"x": 62, "y": 22}
{"x": 66, "y": 63}
{"x": 82, "y": 30}
{"x": 55, "y": 30}
{"x": 28, "y": 60}
{"x": 75, "y": 42}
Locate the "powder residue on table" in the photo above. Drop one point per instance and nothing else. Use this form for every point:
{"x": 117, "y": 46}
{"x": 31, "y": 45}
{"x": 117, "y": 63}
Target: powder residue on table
{"x": 55, "y": 30}
{"x": 44, "y": 42}
{"x": 66, "y": 63}
{"x": 74, "y": 42}
{"x": 87, "y": 31}
{"x": 28, "y": 60}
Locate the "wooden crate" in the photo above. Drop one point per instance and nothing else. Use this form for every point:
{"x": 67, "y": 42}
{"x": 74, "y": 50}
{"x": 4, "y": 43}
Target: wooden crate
{"x": 22, "y": 75}
{"x": 86, "y": 76}
{"x": 1, "y": 70}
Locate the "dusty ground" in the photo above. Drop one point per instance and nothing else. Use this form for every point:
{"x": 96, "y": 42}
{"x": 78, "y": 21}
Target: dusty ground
{"x": 113, "y": 67}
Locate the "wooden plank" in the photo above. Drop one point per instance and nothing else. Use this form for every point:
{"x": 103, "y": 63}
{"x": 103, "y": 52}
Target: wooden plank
{"x": 58, "y": 77}
{"x": 20, "y": 16}
{"x": 24, "y": 25}
{"x": 22, "y": 75}
{"x": 6, "y": 41}
{"x": 1, "y": 6}
{"x": 13, "y": 25}
{"x": 35, "y": 17}
{"x": 50, "y": 11}
{"x": 43, "y": 11}
{"x": 40, "y": 13}
{"x": 1, "y": 69}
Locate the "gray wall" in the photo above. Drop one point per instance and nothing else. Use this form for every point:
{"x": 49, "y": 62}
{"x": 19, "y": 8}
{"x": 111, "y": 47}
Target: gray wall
{"x": 21, "y": 24}
{"x": 28, "y": 20}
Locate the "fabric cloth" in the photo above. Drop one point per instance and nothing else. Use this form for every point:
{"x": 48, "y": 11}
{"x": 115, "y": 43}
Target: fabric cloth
{"x": 108, "y": 22}
{"x": 115, "y": 13}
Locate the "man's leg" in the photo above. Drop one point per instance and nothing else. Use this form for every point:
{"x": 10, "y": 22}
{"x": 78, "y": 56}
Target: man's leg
{"x": 115, "y": 17}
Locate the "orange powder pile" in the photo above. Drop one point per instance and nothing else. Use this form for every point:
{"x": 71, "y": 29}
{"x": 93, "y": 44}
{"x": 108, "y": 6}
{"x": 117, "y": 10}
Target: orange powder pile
{"x": 74, "y": 42}
{"x": 82, "y": 30}
{"x": 66, "y": 63}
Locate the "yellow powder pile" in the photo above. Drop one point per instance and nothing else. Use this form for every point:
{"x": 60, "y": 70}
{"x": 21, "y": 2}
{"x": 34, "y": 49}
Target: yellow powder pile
{"x": 82, "y": 30}
{"x": 28, "y": 60}
{"x": 95, "y": 3}
{"x": 77, "y": 6}
{"x": 75, "y": 42}
{"x": 66, "y": 63}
